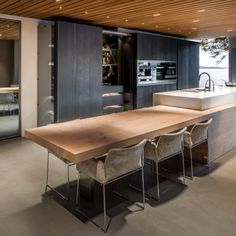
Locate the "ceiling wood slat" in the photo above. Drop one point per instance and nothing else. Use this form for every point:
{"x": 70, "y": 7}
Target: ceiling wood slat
{"x": 176, "y": 16}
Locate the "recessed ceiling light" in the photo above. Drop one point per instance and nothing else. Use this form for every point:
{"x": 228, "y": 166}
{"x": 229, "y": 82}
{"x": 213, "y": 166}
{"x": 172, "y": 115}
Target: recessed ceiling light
{"x": 85, "y": 12}
{"x": 180, "y": 31}
{"x": 168, "y": 28}
{"x": 108, "y": 17}
{"x": 60, "y": 8}
{"x": 0, "y": 35}
{"x": 196, "y": 21}
{"x": 158, "y": 14}
{"x": 194, "y": 28}
{"x": 229, "y": 30}
{"x": 58, "y": 0}
{"x": 142, "y": 23}
{"x": 126, "y": 20}
{"x": 156, "y": 26}
{"x": 202, "y": 10}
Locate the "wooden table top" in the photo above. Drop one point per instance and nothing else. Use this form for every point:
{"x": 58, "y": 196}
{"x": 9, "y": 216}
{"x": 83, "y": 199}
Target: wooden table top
{"x": 79, "y": 140}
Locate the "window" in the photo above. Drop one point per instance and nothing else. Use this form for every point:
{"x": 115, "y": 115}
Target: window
{"x": 217, "y": 67}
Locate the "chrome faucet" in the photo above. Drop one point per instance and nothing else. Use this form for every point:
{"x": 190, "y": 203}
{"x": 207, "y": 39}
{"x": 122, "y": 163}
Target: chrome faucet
{"x": 209, "y": 81}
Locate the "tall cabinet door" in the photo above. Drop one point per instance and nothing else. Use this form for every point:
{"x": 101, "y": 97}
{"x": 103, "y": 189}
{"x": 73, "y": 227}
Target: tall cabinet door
{"x": 79, "y": 71}
{"x": 188, "y": 64}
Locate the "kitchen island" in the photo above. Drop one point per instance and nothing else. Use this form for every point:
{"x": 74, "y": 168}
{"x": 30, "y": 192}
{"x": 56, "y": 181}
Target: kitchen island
{"x": 196, "y": 98}
{"x": 222, "y": 132}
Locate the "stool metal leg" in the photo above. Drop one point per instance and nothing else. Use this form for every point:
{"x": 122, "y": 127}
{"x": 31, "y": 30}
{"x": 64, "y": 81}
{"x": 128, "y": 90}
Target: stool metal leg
{"x": 191, "y": 162}
{"x": 157, "y": 179}
{"x": 46, "y": 187}
{"x": 143, "y": 188}
{"x": 104, "y": 208}
{"x": 68, "y": 181}
{"x": 53, "y": 189}
{"x": 78, "y": 192}
{"x": 183, "y": 166}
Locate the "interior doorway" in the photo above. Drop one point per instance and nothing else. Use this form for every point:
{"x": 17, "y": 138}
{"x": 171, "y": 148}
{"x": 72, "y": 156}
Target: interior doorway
{"x": 9, "y": 78}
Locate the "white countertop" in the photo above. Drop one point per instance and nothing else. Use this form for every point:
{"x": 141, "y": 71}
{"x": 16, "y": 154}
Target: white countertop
{"x": 195, "y": 99}
{"x": 200, "y": 94}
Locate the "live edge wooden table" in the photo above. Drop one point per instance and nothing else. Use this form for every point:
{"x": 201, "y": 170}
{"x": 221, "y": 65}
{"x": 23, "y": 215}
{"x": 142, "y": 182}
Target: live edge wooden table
{"x": 80, "y": 140}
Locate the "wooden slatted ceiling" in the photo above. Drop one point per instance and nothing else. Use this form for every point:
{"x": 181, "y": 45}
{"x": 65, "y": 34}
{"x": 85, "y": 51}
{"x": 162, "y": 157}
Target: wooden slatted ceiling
{"x": 9, "y": 30}
{"x": 177, "y": 17}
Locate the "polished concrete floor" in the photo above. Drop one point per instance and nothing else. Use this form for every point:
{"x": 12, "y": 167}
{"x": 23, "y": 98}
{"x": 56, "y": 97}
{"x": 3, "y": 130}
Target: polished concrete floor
{"x": 206, "y": 207}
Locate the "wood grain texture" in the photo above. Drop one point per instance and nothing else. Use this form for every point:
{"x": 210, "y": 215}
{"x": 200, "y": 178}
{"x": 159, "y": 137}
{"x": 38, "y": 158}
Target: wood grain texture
{"x": 145, "y": 93}
{"x": 151, "y": 47}
{"x": 188, "y": 64}
{"x": 176, "y": 17}
{"x": 79, "y": 140}
{"x": 9, "y": 29}
{"x": 79, "y": 71}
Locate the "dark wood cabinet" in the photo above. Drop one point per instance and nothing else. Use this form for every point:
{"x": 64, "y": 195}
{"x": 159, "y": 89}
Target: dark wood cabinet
{"x": 145, "y": 93}
{"x": 78, "y": 66}
{"x": 188, "y": 64}
{"x": 144, "y": 96}
{"x": 78, "y": 71}
{"x": 152, "y": 47}
{"x": 164, "y": 88}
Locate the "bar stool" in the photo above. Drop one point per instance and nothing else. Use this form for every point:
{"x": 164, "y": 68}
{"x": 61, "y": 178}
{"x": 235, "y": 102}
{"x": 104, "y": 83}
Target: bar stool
{"x": 68, "y": 165}
{"x": 197, "y": 135}
{"x": 165, "y": 147}
{"x": 118, "y": 163}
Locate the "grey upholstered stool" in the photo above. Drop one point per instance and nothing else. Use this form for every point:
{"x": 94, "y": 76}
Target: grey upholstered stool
{"x": 118, "y": 163}
{"x": 197, "y": 135}
{"x": 165, "y": 147}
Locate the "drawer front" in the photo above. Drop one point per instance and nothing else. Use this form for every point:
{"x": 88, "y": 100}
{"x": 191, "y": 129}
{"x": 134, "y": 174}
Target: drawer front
{"x": 113, "y": 100}
{"x": 113, "y": 89}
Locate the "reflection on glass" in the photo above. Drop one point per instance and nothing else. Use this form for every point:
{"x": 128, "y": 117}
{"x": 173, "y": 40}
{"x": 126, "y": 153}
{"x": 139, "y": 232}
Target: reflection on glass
{"x": 9, "y": 78}
{"x": 45, "y": 73}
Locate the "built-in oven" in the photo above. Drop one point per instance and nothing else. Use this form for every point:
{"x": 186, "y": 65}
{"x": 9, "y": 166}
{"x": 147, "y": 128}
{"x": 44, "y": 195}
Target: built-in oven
{"x": 166, "y": 70}
{"x": 155, "y": 71}
{"x": 144, "y": 72}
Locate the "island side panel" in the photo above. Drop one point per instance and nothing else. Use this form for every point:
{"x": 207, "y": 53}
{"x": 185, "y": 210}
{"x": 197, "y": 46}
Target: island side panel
{"x": 222, "y": 133}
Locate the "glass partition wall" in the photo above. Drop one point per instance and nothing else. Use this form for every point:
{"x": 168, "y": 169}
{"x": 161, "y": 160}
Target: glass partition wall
{"x": 46, "y": 81}
{"x": 9, "y": 78}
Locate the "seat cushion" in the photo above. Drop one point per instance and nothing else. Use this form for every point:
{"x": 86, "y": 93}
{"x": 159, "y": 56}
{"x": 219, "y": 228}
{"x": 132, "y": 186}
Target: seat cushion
{"x": 187, "y": 139}
{"x": 150, "y": 151}
{"x": 94, "y": 168}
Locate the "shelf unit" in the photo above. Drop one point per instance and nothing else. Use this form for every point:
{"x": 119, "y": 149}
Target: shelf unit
{"x": 113, "y": 99}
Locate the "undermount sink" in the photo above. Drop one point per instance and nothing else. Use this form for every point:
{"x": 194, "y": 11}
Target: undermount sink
{"x": 196, "y": 98}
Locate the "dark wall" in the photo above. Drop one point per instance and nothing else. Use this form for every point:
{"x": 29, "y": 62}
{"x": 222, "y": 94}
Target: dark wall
{"x": 6, "y": 62}
{"x": 79, "y": 71}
